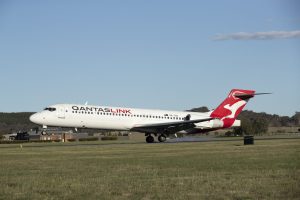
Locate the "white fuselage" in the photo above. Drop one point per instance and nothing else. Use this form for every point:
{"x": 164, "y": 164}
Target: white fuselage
{"x": 113, "y": 118}
{"x": 160, "y": 123}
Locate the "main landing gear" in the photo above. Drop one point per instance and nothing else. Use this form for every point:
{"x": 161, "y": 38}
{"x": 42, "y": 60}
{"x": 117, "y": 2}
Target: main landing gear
{"x": 162, "y": 138}
{"x": 150, "y": 138}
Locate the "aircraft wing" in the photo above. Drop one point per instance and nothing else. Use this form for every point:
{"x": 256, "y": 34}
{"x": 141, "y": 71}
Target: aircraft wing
{"x": 170, "y": 127}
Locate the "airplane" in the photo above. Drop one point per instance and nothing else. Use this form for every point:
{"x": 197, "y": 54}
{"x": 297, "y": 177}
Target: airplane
{"x": 159, "y": 123}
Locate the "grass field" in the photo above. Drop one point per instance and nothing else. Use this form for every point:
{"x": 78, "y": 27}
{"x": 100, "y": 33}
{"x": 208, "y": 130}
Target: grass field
{"x": 270, "y": 169}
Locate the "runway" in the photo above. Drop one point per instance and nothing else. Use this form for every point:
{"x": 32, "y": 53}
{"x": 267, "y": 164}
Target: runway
{"x": 188, "y": 139}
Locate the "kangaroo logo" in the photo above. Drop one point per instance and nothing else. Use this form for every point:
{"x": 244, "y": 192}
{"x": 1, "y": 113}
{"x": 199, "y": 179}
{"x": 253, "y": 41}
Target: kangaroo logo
{"x": 233, "y": 108}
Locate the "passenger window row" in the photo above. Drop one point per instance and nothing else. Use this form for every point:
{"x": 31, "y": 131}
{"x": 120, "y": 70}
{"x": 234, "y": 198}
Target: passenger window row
{"x": 129, "y": 115}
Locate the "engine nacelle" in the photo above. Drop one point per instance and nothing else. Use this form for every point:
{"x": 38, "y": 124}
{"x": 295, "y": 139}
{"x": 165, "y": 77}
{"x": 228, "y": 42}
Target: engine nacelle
{"x": 217, "y": 123}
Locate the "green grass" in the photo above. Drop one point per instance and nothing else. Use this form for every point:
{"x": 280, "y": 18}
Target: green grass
{"x": 270, "y": 169}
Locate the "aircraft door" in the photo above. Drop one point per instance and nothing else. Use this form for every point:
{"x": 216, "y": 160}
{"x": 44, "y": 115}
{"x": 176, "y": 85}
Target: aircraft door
{"x": 61, "y": 113}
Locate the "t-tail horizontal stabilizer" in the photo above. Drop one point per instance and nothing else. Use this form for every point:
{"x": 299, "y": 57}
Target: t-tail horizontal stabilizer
{"x": 248, "y": 96}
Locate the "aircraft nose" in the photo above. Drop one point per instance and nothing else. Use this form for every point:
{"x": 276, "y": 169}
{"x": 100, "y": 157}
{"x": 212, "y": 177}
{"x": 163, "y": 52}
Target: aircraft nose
{"x": 34, "y": 118}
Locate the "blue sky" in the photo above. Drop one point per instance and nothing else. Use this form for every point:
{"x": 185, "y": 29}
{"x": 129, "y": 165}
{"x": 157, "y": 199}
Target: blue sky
{"x": 149, "y": 54}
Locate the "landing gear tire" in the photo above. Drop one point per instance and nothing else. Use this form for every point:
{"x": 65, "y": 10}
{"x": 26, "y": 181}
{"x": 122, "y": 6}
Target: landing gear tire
{"x": 149, "y": 139}
{"x": 162, "y": 138}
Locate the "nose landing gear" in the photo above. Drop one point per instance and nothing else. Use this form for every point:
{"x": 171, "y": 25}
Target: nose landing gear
{"x": 44, "y": 130}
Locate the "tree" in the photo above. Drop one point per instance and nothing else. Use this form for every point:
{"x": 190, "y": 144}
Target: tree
{"x": 260, "y": 126}
{"x": 200, "y": 109}
{"x": 244, "y": 129}
{"x": 296, "y": 118}
{"x": 252, "y": 127}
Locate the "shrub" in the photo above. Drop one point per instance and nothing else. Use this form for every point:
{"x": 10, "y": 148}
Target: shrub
{"x": 26, "y": 141}
{"x": 40, "y": 141}
{"x": 109, "y": 138}
{"x": 2, "y": 137}
{"x": 13, "y": 141}
{"x": 88, "y": 139}
{"x": 228, "y": 133}
{"x": 280, "y": 131}
{"x": 71, "y": 140}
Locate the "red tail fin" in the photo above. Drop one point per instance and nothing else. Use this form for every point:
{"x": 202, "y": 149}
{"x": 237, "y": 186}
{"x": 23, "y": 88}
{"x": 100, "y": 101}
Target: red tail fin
{"x": 231, "y": 107}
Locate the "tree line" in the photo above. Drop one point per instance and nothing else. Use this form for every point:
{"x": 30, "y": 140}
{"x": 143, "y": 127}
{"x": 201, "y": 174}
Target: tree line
{"x": 13, "y": 122}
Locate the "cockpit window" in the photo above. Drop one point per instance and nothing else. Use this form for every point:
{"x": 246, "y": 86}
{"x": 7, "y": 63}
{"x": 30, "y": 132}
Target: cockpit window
{"x": 50, "y": 109}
